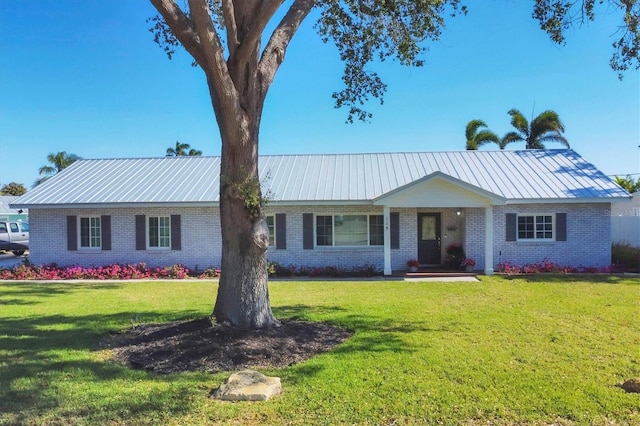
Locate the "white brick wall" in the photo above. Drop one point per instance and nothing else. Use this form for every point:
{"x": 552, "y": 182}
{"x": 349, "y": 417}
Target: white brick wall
{"x": 323, "y": 256}
{"x": 588, "y": 237}
{"x": 474, "y": 238}
{"x": 201, "y": 241}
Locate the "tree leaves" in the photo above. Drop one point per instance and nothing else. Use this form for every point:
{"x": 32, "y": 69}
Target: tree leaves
{"x": 13, "y": 188}
{"x": 368, "y": 30}
{"x": 546, "y": 127}
{"x": 557, "y": 16}
{"x": 475, "y": 138}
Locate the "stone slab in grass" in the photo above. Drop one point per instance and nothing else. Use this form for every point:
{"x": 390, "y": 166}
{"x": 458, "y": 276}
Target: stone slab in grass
{"x": 248, "y": 385}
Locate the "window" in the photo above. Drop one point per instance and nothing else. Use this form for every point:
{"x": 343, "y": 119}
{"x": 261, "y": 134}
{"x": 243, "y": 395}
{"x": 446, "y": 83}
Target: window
{"x": 24, "y": 226}
{"x": 90, "y": 232}
{"x": 14, "y": 227}
{"x": 271, "y": 224}
{"x": 349, "y": 230}
{"x": 535, "y": 227}
{"x": 159, "y": 232}
{"x": 376, "y": 230}
{"x": 324, "y": 230}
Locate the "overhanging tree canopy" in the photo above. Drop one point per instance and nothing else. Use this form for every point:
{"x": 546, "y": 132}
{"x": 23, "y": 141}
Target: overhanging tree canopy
{"x": 224, "y": 38}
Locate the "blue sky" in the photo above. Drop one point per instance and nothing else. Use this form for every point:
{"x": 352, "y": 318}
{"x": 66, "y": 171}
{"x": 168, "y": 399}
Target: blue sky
{"x": 85, "y": 77}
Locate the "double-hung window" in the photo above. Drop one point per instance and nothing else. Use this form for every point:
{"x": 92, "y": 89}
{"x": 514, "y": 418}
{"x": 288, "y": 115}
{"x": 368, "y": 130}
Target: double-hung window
{"x": 159, "y": 232}
{"x": 349, "y": 230}
{"x": 535, "y": 227}
{"x": 90, "y": 233}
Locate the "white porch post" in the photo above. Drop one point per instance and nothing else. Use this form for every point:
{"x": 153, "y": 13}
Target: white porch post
{"x": 488, "y": 240}
{"x": 387, "y": 240}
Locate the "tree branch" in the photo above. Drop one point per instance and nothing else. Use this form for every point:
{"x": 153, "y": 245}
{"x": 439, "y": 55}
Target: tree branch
{"x": 209, "y": 41}
{"x": 181, "y": 27}
{"x": 224, "y": 91}
{"x": 231, "y": 26}
{"x": 258, "y": 24}
{"x": 273, "y": 54}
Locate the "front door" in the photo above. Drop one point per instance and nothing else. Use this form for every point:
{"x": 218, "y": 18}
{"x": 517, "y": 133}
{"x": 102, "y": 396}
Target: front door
{"x": 429, "y": 239}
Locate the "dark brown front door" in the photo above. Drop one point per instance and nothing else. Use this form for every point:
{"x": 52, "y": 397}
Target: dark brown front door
{"x": 429, "y": 239}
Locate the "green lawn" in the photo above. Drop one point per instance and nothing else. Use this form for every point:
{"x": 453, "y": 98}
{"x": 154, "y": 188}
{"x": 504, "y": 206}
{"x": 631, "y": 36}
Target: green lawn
{"x": 532, "y": 351}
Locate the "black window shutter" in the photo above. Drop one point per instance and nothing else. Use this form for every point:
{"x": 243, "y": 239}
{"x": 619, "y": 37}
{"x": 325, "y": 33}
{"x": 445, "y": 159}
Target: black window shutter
{"x": 72, "y": 233}
{"x": 561, "y": 227}
{"x": 307, "y": 231}
{"x": 176, "y": 232}
{"x": 141, "y": 234}
{"x": 512, "y": 227}
{"x": 394, "y": 228}
{"x": 281, "y": 231}
{"x": 105, "y": 223}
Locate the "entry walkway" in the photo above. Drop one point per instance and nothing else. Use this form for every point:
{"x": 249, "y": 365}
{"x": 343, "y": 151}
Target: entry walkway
{"x": 436, "y": 274}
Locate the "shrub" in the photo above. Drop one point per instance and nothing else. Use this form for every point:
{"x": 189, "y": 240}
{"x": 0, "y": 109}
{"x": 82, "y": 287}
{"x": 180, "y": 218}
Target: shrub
{"x": 366, "y": 270}
{"x": 210, "y": 272}
{"x": 109, "y": 272}
{"x": 626, "y": 256}
{"x": 551, "y": 267}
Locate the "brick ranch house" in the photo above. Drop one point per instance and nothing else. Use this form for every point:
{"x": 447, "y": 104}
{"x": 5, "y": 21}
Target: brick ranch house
{"x": 341, "y": 209}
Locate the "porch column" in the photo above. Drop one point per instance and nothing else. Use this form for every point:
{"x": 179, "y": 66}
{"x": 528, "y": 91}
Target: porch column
{"x": 488, "y": 240}
{"x": 387, "y": 240}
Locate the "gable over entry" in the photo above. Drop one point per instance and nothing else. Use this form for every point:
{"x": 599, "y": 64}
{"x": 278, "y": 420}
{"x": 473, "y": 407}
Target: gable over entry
{"x": 439, "y": 190}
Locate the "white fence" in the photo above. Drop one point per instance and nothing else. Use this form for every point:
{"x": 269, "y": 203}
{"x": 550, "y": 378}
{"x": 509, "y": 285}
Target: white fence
{"x": 625, "y": 229}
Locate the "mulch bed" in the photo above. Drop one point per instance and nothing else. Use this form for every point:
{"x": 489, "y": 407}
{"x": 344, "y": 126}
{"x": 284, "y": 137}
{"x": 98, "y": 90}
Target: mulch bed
{"x": 199, "y": 345}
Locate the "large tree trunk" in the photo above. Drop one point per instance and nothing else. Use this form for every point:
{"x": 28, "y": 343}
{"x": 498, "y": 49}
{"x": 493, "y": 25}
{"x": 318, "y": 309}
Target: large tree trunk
{"x": 238, "y": 86}
{"x": 243, "y": 295}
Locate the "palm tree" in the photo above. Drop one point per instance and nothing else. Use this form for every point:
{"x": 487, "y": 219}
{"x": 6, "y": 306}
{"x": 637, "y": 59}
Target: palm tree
{"x": 475, "y": 138}
{"x": 13, "y": 188}
{"x": 546, "y": 127}
{"x": 58, "y": 162}
{"x": 181, "y": 150}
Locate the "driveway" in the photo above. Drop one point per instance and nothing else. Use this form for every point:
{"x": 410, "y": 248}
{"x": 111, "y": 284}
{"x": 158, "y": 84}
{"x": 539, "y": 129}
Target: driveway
{"x": 9, "y": 260}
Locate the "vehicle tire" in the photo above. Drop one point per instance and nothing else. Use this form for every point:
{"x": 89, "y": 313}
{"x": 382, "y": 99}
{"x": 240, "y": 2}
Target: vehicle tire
{"x": 18, "y": 252}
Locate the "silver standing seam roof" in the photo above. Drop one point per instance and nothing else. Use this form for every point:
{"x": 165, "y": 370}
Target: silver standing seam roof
{"x": 516, "y": 176}
{"x": 5, "y": 201}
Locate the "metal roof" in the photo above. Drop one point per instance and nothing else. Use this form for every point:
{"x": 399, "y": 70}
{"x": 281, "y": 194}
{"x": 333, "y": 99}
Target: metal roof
{"x": 516, "y": 176}
{"x": 5, "y": 200}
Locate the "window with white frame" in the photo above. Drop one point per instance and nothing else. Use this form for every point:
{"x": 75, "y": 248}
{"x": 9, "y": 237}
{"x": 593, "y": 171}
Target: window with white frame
{"x": 271, "y": 224}
{"x": 90, "y": 233}
{"x": 535, "y": 227}
{"x": 349, "y": 230}
{"x": 159, "y": 232}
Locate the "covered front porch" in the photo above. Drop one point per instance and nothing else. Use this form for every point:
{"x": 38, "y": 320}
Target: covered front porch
{"x": 441, "y": 222}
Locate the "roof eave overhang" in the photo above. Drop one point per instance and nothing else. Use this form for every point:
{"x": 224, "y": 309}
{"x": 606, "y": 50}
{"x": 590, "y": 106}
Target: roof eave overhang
{"x": 117, "y": 205}
{"x": 188, "y": 204}
{"x": 320, "y": 203}
{"x": 581, "y": 200}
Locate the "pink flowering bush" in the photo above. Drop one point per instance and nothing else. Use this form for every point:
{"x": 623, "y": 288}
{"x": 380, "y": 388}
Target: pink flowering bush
{"x": 109, "y": 272}
{"x": 210, "y": 272}
{"x": 551, "y": 267}
{"x": 334, "y": 271}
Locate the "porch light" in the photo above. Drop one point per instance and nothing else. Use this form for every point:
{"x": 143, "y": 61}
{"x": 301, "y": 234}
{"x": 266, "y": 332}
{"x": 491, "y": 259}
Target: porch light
{"x": 458, "y": 213}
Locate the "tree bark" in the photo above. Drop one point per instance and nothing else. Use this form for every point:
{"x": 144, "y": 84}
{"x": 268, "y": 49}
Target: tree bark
{"x": 243, "y": 295}
{"x": 238, "y": 86}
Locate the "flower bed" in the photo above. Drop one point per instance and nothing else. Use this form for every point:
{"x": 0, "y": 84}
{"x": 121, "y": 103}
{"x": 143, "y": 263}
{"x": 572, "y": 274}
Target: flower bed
{"x": 141, "y": 271}
{"x": 551, "y": 267}
{"x": 367, "y": 270}
{"x": 109, "y": 272}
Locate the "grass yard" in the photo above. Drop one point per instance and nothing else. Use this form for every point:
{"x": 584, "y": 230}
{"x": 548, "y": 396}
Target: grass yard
{"x": 527, "y": 351}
